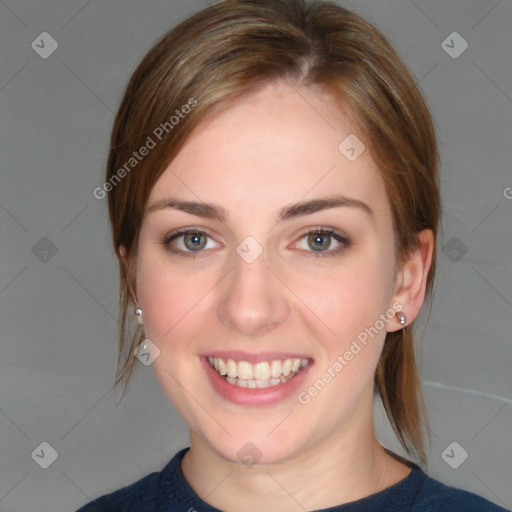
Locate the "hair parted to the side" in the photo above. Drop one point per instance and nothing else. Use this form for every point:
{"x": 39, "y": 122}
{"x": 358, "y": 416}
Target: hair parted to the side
{"x": 228, "y": 50}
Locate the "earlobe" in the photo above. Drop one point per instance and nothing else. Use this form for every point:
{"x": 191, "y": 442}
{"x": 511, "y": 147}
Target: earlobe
{"x": 410, "y": 286}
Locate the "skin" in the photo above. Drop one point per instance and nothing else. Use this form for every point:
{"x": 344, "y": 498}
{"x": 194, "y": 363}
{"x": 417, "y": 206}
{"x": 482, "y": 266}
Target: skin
{"x": 275, "y": 147}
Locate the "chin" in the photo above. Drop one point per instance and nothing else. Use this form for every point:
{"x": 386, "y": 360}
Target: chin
{"x": 252, "y": 448}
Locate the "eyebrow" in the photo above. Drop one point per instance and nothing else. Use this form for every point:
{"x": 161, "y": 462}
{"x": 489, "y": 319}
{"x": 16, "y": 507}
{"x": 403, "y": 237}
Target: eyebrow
{"x": 213, "y": 211}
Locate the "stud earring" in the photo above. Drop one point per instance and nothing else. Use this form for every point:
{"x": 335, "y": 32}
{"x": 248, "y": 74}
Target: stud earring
{"x": 138, "y": 312}
{"x": 401, "y": 317}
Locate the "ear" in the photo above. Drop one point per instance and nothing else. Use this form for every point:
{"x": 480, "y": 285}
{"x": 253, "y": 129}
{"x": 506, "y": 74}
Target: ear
{"x": 124, "y": 261}
{"x": 411, "y": 281}
{"x": 124, "y": 258}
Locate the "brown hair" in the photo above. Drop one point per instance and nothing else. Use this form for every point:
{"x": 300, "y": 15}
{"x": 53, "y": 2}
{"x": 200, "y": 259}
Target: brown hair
{"x": 227, "y": 50}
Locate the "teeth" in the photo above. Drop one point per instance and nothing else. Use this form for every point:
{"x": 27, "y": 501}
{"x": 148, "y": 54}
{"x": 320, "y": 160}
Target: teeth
{"x": 253, "y": 384}
{"x": 276, "y": 369}
{"x": 222, "y": 367}
{"x": 261, "y": 371}
{"x": 259, "y": 375}
{"x": 287, "y": 367}
{"x": 231, "y": 367}
{"x": 245, "y": 371}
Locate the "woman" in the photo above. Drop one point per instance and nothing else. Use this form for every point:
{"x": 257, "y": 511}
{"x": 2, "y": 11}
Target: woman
{"x": 274, "y": 199}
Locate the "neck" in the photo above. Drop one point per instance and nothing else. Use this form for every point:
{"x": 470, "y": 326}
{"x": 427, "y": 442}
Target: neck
{"x": 348, "y": 465}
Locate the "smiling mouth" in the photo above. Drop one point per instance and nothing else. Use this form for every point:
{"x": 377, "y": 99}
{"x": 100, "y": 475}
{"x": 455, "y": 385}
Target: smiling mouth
{"x": 259, "y": 375}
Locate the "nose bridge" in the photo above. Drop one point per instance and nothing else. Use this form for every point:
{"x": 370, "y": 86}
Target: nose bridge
{"x": 253, "y": 299}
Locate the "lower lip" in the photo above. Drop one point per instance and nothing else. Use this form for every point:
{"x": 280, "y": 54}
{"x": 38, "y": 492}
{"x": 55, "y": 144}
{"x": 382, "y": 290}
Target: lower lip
{"x": 254, "y": 396}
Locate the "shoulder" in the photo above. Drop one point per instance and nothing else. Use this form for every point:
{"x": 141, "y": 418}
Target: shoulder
{"x": 144, "y": 495}
{"x": 434, "y": 496}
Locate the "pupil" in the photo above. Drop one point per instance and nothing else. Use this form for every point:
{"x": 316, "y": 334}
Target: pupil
{"x": 317, "y": 239}
{"x": 195, "y": 240}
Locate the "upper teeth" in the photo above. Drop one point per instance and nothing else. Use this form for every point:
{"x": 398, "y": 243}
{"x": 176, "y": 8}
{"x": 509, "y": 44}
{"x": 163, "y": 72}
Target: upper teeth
{"x": 259, "y": 371}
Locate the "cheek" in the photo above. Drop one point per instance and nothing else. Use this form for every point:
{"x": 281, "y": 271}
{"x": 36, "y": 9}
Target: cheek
{"x": 173, "y": 314}
{"x": 172, "y": 308}
{"x": 167, "y": 297}
{"x": 343, "y": 302}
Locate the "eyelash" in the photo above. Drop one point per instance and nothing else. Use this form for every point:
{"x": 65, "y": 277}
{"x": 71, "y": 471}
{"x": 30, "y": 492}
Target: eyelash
{"x": 315, "y": 231}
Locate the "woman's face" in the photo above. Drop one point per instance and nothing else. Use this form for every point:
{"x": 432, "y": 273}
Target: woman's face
{"x": 254, "y": 286}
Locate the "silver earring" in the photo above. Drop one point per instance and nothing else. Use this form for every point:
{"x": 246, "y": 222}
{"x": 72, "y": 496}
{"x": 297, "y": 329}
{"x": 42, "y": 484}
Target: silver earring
{"x": 138, "y": 312}
{"x": 401, "y": 317}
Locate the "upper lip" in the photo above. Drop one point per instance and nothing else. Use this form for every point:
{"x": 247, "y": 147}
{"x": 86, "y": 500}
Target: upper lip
{"x": 237, "y": 355}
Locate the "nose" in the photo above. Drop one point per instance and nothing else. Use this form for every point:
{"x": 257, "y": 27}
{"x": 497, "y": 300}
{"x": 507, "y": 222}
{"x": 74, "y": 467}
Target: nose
{"x": 253, "y": 300}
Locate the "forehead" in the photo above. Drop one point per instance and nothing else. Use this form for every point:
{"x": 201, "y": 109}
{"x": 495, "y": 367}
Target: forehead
{"x": 277, "y": 145}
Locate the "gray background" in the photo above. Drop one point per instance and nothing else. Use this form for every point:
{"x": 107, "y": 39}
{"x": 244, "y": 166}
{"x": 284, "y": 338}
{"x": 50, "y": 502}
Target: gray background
{"x": 59, "y": 311}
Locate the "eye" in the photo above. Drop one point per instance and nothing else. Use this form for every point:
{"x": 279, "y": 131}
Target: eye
{"x": 185, "y": 242}
{"x": 318, "y": 240}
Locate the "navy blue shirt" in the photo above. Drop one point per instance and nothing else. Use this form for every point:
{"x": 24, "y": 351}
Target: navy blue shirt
{"x": 167, "y": 491}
